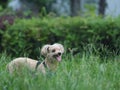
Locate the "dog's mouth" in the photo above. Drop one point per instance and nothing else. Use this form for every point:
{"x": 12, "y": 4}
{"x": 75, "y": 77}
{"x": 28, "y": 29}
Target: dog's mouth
{"x": 58, "y": 57}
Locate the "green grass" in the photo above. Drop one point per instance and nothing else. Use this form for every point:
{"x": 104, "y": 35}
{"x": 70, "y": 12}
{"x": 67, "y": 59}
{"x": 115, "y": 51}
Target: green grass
{"x": 81, "y": 72}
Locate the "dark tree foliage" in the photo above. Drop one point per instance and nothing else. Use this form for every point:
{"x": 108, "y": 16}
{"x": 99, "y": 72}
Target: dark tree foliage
{"x": 3, "y": 3}
{"x": 41, "y": 3}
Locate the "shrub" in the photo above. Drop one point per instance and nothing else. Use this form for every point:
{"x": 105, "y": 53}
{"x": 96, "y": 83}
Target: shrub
{"x": 27, "y": 35}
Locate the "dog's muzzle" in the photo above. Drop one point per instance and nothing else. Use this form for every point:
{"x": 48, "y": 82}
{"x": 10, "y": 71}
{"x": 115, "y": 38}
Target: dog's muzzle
{"x": 58, "y": 56}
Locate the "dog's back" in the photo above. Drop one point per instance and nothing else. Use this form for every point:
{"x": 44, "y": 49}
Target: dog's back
{"x": 20, "y": 63}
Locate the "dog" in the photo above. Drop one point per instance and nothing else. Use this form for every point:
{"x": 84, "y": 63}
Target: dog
{"x": 52, "y": 53}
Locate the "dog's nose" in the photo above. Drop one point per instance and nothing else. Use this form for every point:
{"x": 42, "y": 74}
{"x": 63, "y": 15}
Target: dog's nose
{"x": 59, "y": 53}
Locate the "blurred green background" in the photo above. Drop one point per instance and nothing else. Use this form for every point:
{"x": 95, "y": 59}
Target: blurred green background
{"x": 26, "y": 25}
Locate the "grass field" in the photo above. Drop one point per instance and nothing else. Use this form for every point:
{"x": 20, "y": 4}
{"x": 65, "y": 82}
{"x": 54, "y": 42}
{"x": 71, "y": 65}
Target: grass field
{"x": 81, "y": 72}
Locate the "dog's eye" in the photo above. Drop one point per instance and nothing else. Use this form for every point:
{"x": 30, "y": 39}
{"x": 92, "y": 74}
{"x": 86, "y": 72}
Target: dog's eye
{"x": 53, "y": 50}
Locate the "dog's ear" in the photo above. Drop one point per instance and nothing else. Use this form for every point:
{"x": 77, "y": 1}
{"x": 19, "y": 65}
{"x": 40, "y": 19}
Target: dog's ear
{"x": 45, "y": 50}
{"x": 61, "y": 46}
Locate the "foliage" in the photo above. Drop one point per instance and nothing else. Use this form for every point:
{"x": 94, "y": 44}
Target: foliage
{"x": 28, "y": 35}
{"x": 1, "y": 8}
{"x": 40, "y": 4}
{"x": 3, "y": 3}
{"x": 83, "y": 72}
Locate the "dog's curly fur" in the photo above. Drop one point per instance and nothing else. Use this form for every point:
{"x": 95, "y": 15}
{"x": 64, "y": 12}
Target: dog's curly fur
{"x": 52, "y": 54}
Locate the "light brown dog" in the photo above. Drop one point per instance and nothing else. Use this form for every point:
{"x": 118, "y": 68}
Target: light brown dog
{"x": 52, "y": 54}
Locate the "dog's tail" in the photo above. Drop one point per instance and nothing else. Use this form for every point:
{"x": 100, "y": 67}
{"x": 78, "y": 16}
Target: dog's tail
{"x": 9, "y": 68}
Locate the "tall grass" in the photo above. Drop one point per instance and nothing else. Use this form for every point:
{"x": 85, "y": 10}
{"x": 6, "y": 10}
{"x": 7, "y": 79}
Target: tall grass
{"x": 80, "y": 72}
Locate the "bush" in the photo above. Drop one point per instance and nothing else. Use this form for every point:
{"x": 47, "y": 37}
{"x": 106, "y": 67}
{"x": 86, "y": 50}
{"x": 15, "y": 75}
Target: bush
{"x": 27, "y": 35}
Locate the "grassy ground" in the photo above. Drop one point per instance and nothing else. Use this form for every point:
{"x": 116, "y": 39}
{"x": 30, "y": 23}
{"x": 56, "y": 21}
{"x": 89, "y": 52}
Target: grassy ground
{"x": 82, "y": 72}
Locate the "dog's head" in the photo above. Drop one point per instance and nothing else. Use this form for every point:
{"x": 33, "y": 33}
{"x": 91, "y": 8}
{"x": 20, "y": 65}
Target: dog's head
{"x": 54, "y": 51}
